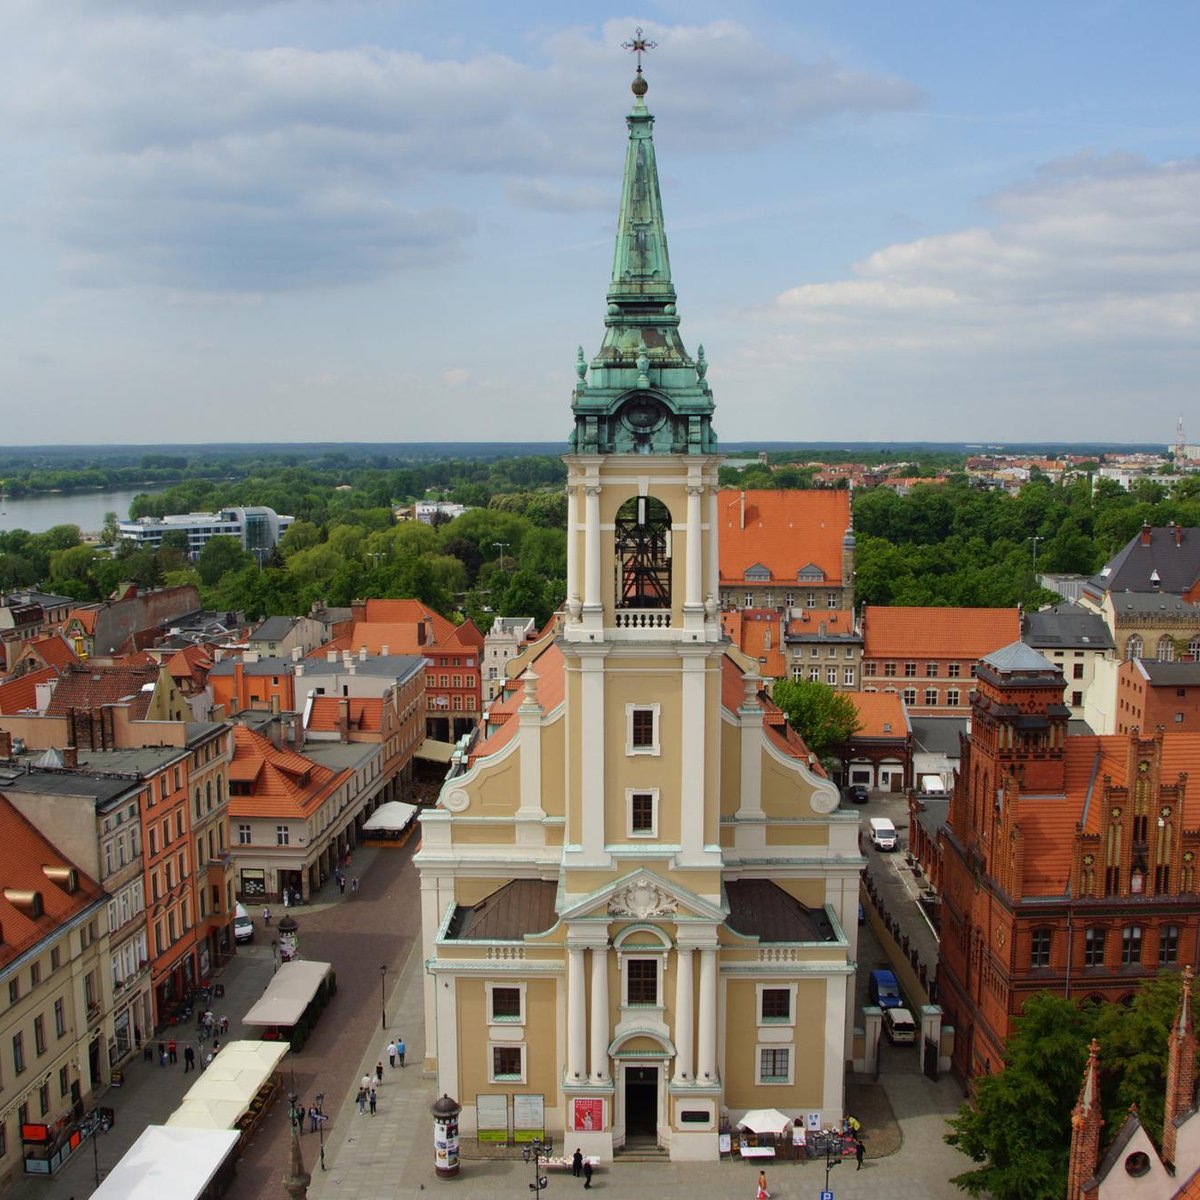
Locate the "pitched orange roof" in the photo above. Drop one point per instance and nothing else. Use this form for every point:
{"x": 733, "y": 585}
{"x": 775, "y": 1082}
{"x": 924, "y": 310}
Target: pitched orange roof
{"x": 363, "y": 713}
{"x": 548, "y": 665}
{"x": 408, "y": 612}
{"x": 20, "y": 695}
{"x": 24, "y": 853}
{"x": 86, "y": 618}
{"x": 54, "y": 651}
{"x": 282, "y": 782}
{"x": 882, "y": 714}
{"x": 835, "y": 620}
{"x": 966, "y": 634}
{"x": 93, "y": 687}
{"x": 756, "y": 632}
{"x": 783, "y": 531}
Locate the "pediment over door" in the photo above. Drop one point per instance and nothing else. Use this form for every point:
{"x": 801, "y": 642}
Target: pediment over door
{"x": 644, "y": 895}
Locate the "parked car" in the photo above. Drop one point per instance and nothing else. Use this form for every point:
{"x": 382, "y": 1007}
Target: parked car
{"x": 899, "y": 1025}
{"x": 243, "y": 927}
{"x": 884, "y": 989}
{"x": 857, "y": 793}
{"x": 883, "y": 833}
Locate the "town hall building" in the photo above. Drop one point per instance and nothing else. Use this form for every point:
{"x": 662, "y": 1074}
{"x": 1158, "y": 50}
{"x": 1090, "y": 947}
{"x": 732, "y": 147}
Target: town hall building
{"x": 639, "y": 896}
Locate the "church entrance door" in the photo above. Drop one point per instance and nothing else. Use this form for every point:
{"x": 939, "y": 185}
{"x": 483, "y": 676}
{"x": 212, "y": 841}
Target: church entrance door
{"x": 641, "y": 1103}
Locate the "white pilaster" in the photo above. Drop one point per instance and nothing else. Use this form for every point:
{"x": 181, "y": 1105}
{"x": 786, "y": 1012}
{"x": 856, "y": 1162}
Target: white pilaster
{"x": 695, "y": 548}
{"x": 712, "y": 585}
{"x": 750, "y": 717}
{"x": 573, "y": 592}
{"x": 576, "y": 1016}
{"x": 684, "y": 1031}
{"x": 600, "y": 1029}
{"x": 706, "y": 1056}
{"x": 530, "y": 812}
{"x": 591, "y": 567}
{"x": 691, "y": 764}
{"x": 591, "y": 776}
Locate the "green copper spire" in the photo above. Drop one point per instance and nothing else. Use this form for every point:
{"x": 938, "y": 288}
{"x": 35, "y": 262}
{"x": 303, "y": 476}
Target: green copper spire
{"x": 646, "y": 394}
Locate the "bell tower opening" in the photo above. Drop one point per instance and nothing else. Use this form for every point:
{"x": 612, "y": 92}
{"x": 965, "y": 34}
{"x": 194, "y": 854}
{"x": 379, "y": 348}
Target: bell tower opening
{"x": 643, "y": 553}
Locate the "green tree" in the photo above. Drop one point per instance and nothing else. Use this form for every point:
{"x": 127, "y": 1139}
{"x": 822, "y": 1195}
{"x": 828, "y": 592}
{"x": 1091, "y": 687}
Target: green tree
{"x": 220, "y": 556}
{"x": 826, "y": 719}
{"x": 109, "y": 530}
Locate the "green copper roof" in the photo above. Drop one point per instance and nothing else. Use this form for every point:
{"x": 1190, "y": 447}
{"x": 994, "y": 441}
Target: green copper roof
{"x": 646, "y": 394}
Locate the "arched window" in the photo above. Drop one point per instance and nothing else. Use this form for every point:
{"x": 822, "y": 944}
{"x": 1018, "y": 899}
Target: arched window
{"x": 1194, "y": 648}
{"x": 1166, "y": 649}
{"x": 208, "y": 796}
{"x": 1133, "y": 646}
{"x": 643, "y": 546}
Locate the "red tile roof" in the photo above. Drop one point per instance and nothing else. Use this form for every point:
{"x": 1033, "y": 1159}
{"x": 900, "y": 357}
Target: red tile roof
{"x": 86, "y": 617}
{"x": 24, "y": 853}
{"x": 782, "y": 531}
{"x": 54, "y": 651}
{"x": 20, "y": 695}
{"x": 835, "y": 620}
{"x": 757, "y": 633}
{"x": 282, "y": 782}
{"x": 882, "y": 714}
{"x": 964, "y": 634}
{"x": 548, "y": 665}
{"x": 93, "y": 687}
{"x": 363, "y": 713}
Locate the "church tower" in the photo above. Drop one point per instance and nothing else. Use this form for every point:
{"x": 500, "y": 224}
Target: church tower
{"x": 639, "y": 895}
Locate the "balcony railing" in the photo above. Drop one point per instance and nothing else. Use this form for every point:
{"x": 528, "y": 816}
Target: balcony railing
{"x": 642, "y": 618}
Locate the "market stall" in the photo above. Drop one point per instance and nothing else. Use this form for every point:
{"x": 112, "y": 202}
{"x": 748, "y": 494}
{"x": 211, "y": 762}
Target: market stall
{"x": 185, "y": 1164}
{"x": 390, "y": 822}
{"x": 292, "y": 1001}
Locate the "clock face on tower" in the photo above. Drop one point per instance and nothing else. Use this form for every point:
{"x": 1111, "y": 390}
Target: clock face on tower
{"x": 643, "y": 415}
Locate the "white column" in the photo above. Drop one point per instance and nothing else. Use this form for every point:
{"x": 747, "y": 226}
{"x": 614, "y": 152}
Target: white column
{"x": 591, "y": 590}
{"x": 695, "y": 549}
{"x": 576, "y": 1016}
{"x": 599, "y": 1071}
{"x": 713, "y": 585}
{"x": 591, "y": 789}
{"x": 692, "y": 777}
{"x": 572, "y": 544}
{"x": 706, "y": 1057}
{"x": 684, "y": 1034}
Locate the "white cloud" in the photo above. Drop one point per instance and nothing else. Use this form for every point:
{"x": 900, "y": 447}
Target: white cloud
{"x": 456, "y": 376}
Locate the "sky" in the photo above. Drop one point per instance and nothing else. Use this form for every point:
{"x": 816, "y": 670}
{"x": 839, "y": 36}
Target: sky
{"x": 393, "y": 220}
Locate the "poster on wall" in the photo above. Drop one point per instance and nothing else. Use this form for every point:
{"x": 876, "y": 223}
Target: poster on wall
{"x": 814, "y": 1122}
{"x": 491, "y": 1118}
{"x": 529, "y": 1117}
{"x": 589, "y": 1115}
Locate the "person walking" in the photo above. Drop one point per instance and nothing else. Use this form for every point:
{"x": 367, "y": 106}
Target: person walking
{"x": 587, "y": 1173}
{"x": 266, "y": 916}
{"x": 400, "y": 1049}
{"x": 362, "y": 1099}
{"x": 366, "y": 1083}
{"x": 371, "y": 1098}
{"x": 354, "y": 884}
{"x": 860, "y": 1152}
{"x": 162, "y": 1054}
{"x": 172, "y": 1051}
{"x": 391, "y": 1053}
{"x": 763, "y": 1194}
{"x": 189, "y": 1059}
{"x": 341, "y": 883}
{"x": 379, "y": 1071}
{"x": 577, "y": 1162}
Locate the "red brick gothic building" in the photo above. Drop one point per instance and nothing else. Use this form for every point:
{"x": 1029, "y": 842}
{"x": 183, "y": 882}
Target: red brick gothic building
{"x": 1069, "y": 864}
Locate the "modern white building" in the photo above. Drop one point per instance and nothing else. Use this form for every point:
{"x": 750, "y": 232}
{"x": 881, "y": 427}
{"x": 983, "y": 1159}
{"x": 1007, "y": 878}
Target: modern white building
{"x": 258, "y": 528}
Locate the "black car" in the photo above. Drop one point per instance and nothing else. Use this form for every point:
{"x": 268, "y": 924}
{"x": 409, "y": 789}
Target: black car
{"x": 857, "y": 793}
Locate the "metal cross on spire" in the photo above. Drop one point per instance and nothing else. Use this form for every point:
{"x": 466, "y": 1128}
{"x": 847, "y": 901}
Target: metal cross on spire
{"x": 638, "y": 45}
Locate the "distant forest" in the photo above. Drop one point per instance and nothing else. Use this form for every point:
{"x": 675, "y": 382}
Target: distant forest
{"x": 950, "y": 543}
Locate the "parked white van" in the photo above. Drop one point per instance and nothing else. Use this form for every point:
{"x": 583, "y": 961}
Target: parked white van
{"x": 243, "y": 927}
{"x": 883, "y": 833}
{"x": 899, "y": 1025}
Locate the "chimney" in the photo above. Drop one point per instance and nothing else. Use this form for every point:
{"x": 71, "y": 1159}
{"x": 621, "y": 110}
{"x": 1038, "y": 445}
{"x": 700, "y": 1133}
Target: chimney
{"x": 275, "y": 705}
{"x": 383, "y": 650}
{"x": 1181, "y": 1069}
{"x": 429, "y": 630}
{"x": 742, "y": 512}
{"x": 1146, "y": 533}
{"x": 343, "y": 720}
{"x": 331, "y": 656}
{"x": 299, "y": 669}
{"x": 70, "y": 758}
{"x": 362, "y": 654}
{"x": 297, "y": 653}
{"x": 358, "y": 610}
{"x": 1178, "y": 534}
{"x": 420, "y": 633}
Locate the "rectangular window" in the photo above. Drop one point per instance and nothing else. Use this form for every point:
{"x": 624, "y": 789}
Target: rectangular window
{"x": 243, "y": 835}
{"x": 35, "y": 974}
{"x": 776, "y": 1004}
{"x": 831, "y": 601}
{"x": 506, "y": 1003}
{"x": 14, "y": 990}
{"x": 910, "y": 695}
{"x": 153, "y": 843}
{"x": 55, "y": 958}
{"x": 281, "y": 835}
{"x": 64, "y": 1080}
{"x": 810, "y": 601}
{"x": 39, "y": 1034}
{"x": 507, "y": 1063}
{"x": 60, "y": 1019}
{"x": 1077, "y": 671}
{"x": 642, "y": 814}
{"x": 848, "y": 677}
{"x": 814, "y": 674}
{"x": 774, "y": 1064}
{"x": 831, "y": 676}
{"x": 1131, "y": 946}
{"x": 910, "y": 670}
{"x": 642, "y": 976}
{"x": 44, "y": 1098}
{"x": 952, "y": 669}
{"x": 931, "y": 670}
{"x": 889, "y": 669}
{"x": 1039, "y": 949}
{"x": 1168, "y": 945}
{"x": 1076, "y": 699}
{"x": 931, "y": 696}
{"x": 641, "y": 729}
{"x": 869, "y": 669}
{"x": 952, "y": 697}
{"x": 18, "y": 1045}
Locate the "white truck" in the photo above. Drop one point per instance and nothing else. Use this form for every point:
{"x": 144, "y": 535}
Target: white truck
{"x": 883, "y": 833}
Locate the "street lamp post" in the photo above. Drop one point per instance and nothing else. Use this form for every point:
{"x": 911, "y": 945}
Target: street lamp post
{"x": 93, "y": 1125}
{"x": 502, "y": 546}
{"x": 532, "y": 1153}
{"x": 1035, "y": 539}
{"x": 321, "y": 1125}
{"x": 833, "y": 1156}
{"x": 382, "y": 999}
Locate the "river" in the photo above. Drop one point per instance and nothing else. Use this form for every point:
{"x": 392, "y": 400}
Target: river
{"x": 85, "y": 509}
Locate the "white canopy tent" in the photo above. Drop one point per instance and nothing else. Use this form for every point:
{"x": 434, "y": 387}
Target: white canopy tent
{"x": 765, "y": 1120}
{"x": 289, "y": 993}
{"x": 223, "y": 1092}
{"x": 393, "y": 815}
{"x": 179, "y": 1163}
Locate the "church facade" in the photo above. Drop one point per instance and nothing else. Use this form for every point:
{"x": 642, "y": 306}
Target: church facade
{"x": 639, "y": 896}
